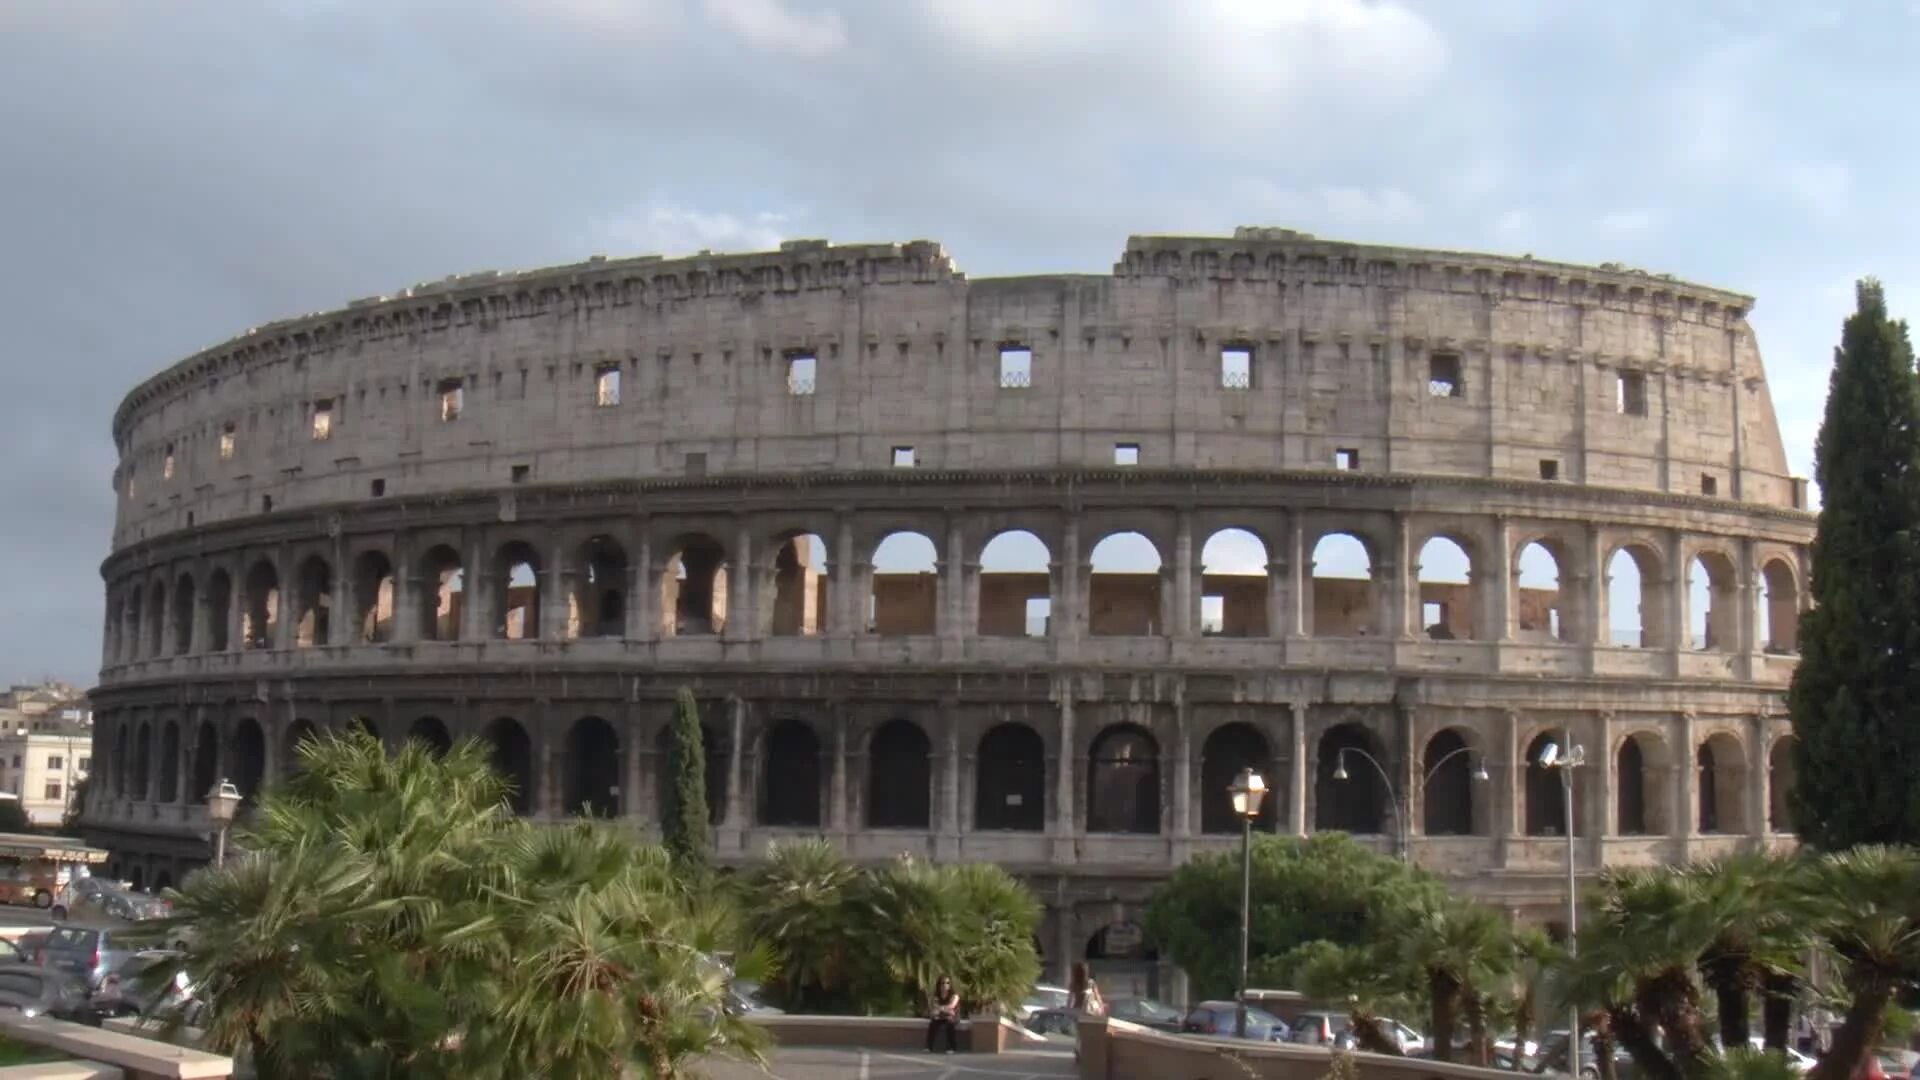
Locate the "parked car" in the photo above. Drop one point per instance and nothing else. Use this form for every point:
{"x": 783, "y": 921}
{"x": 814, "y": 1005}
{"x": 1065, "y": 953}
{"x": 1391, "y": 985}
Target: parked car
{"x": 1042, "y": 997}
{"x": 33, "y": 991}
{"x": 86, "y": 953}
{"x": 743, "y": 999}
{"x": 29, "y": 884}
{"x": 1323, "y": 1029}
{"x": 1411, "y": 1042}
{"x": 136, "y": 988}
{"x": 1148, "y": 1013}
{"x": 1220, "y": 1018}
{"x": 97, "y": 899}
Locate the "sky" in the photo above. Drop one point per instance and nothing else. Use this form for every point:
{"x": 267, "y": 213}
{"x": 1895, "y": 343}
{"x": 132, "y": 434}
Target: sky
{"x": 176, "y": 173}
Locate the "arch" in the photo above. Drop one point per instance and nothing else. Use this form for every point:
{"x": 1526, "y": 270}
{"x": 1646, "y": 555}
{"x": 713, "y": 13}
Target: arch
{"x": 1540, "y": 606}
{"x": 1722, "y": 784}
{"x": 1228, "y": 749}
{"x": 1448, "y": 601}
{"x": 1448, "y": 806}
{"x": 1712, "y": 614}
{"x": 364, "y": 725}
{"x": 598, "y": 606}
{"x": 1123, "y": 781}
{"x": 431, "y": 733}
{"x": 790, "y": 776}
{"x": 300, "y": 731}
{"x": 899, "y": 777}
{"x": 1780, "y": 781}
{"x": 315, "y": 610}
{"x": 801, "y": 587}
{"x": 162, "y": 881}
{"x": 143, "y": 761}
{"x": 1633, "y": 598}
{"x": 261, "y": 619}
{"x": 122, "y": 761}
{"x": 169, "y": 768}
{"x": 516, "y": 581}
{"x": 206, "y": 760}
{"x": 714, "y": 750}
{"x": 1779, "y": 621}
{"x": 219, "y": 604}
{"x": 693, "y": 589}
{"x": 247, "y": 757}
{"x": 593, "y": 769}
{"x": 905, "y": 598}
{"x": 1630, "y": 788}
{"x": 373, "y": 585}
{"x": 1344, "y": 601}
{"x": 1361, "y": 803}
{"x": 183, "y": 609}
{"x": 1546, "y": 811}
{"x": 136, "y": 877}
{"x": 512, "y": 758}
{"x": 1123, "y": 590}
{"x": 134, "y": 627}
{"x": 443, "y": 596}
{"x": 1010, "y": 782}
{"x": 1233, "y": 586}
{"x": 1016, "y": 586}
{"x": 156, "y": 619}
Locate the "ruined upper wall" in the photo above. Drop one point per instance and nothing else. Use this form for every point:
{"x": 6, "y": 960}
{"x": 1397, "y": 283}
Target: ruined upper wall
{"x": 1345, "y": 342}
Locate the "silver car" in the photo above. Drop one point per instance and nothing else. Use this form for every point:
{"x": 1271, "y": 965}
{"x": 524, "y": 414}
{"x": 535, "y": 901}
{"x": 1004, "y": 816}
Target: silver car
{"x": 93, "y": 899}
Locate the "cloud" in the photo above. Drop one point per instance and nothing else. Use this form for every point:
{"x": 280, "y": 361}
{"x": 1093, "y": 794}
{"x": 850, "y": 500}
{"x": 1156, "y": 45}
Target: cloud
{"x": 1331, "y": 205}
{"x": 667, "y": 228}
{"x": 773, "y": 26}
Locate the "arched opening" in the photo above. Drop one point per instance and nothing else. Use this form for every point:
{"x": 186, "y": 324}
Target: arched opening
{"x": 1233, "y": 585}
{"x": 1011, "y": 780}
{"x": 906, "y": 586}
{"x": 1630, "y": 786}
{"x": 899, "y": 777}
{"x": 1016, "y": 586}
{"x": 598, "y": 607}
{"x": 364, "y": 725}
{"x": 247, "y": 758}
{"x": 429, "y": 732}
{"x": 183, "y": 615}
{"x": 142, "y": 761}
{"x": 137, "y": 877}
{"x": 1230, "y": 748}
{"x": 169, "y": 770}
{"x": 219, "y": 603}
{"x": 373, "y": 597}
{"x": 1350, "y": 794}
{"x": 134, "y": 625}
{"x": 1123, "y": 591}
{"x": 1722, "y": 784}
{"x": 443, "y": 596}
{"x": 1546, "y": 811}
{"x": 1447, "y": 600}
{"x": 162, "y": 881}
{"x": 513, "y": 760}
{"x": 1344, "y": 602}
{"x": 714, "y": 749}
{"x": 790, "y": 776}
{"x": 1448, "y": 806}
{"x": 316, "y": 603}
{"x": 262, "y": 616}
{"x": 1712, "y": 614}
{"x": 206, "y": 761}
{"x": 516, "y": 607}
{"x": 1123, "y": 781}
{"x": 1779, "y": 608}
{"x": 1780, "y": 779}
{"x": 693, "y": 589}
{"x": 1633, "y": 598}
{"x": 800, "y": 587}
{"x": 298, "y": 733}
{"x": 593, "y": 769}
{"x": 156, "y": 619}
{"x": 122, "y": 761}
{"x": 1540, "y": 608}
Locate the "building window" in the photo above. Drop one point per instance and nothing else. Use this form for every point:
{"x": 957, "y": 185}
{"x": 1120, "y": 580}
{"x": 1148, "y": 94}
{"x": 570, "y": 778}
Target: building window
{"x": 1444, "y": 375}
{"x": 131, "y": 486}
{"x": 1126, "y": 453}
{"x": 697, "y": 463}
{"x": 53, "y": 789}
{"x": 226, "y": 442}
{"x": 903, "y": 457}
{"x": 378, "y": 487}
{"x": 1630, "y": 394}
{"x": 606, "y": 385}
{"x": 800, "y": 374}
{"x": 453, "y": 396}
{"x": 166, "y": 464}
{"x": 1016, "y": 367}
{"x": 1549, "y": 469}
{"x": 85, "y": 765}
{"x": 322, "y": 420}
{"x": 521, "y": 472}
{"x": 1709, "y": 485}
{"x": 56, "y": 762}
{"x": 1346, "y": 459}
{"x": 16, "y": 761}
{"x": 266, "y": 504}
{"x": 1236, "y": 367}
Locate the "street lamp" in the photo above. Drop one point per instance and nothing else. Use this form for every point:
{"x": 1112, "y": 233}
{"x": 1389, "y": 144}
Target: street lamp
{"x": 1248, "y": 790}
{"x": 223, "y": 801}
{"x": 1551, "y": 757}
{"x": 1400, "y": 822}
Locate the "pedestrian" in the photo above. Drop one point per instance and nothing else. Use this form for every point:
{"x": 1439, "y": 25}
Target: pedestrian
{"x": 1084, "y": 993}
{"x": 944, "y": 1015}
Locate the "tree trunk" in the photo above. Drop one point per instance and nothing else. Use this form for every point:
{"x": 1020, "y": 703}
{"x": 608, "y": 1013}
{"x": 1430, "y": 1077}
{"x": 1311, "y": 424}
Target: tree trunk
{"x": 1653, "y": 1062}
{"x": 1858, "y": 1032}
{"x": 1445, "y": 993}
{"x": 1603, "y": 1048}
{"x": 1369, "y": 1036}
{"x": 1478, "y": 1050}
{"x": 1776, "y": 1010}
{"x": 1735, "y": 1027}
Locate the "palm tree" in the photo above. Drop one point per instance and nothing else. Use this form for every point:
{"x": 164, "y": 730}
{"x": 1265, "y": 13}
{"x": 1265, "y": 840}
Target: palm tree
{"x": 1751, "y": 904}
{"x": 1457, "y": 946}
{"x": 1869, "y": 904}
{"x": 797, "y": 907}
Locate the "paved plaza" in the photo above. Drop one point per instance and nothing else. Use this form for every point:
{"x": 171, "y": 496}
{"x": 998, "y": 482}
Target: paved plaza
{"x": 820, "y": 1063}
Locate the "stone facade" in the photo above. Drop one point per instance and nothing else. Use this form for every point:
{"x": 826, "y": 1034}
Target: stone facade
{"x": 528, "y": 507}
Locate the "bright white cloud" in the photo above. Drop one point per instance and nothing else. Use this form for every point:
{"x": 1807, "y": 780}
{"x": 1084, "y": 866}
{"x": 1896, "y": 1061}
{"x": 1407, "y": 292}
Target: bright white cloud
{"x": 775, "y": 26}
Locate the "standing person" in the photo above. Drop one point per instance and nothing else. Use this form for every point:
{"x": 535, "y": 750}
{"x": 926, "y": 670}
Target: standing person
{"x": 1084, "y": 993}
{"x": 944, "y": 1015}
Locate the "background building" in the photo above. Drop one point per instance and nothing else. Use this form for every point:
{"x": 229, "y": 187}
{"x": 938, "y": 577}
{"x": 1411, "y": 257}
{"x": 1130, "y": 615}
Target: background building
{"x": 46, "y": 748}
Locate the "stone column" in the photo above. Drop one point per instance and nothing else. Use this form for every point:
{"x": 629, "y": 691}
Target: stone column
{"x": 1512, "y": 771}
{"x": 1182, "y": 774}
{"x": 476, "y": 614}
{"x": 1759, "y": 781}
{"x": 741, "y": 601}
{"x": 203, "y": 613}
{"x": 837, "y": 818}
{"x": 1686, "y": 821}
{"x": 845, "y": 613}
{"x": 235, "y": 615}
{"x": 1746, "y": 608}
{"x": 952, "y": 569}
{"x": 287, "y": 611}
{"x": 1289, "y": 585}
{"x": 1500, "y": 575}
{"x": 735, "y": 823}
{"x": 1678, "y": 619}
{"x": 1401, "y": 579}
{"x": 637, "y": 797}
{"x": 1069, "y": 609}
{"x": 1066, "y": 798}
{"x": 1596, "y": 631}
{"x": 947, "y": 846}
{"x": 340, "y": 617}
{"x": 1297, "y": 776}
{"x": 555, "y": 594}
{"x": 1188, "y": 586}
{"x": 1412, "y": 773}
{"x": 643, "y": 615}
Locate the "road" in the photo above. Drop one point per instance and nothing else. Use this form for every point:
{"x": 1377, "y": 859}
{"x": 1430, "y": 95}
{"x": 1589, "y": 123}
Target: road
{"x": 819, "y": 1063}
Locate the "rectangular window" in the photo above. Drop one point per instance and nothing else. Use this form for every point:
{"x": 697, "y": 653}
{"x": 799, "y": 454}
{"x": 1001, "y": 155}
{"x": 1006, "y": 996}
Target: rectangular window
{"x": 266, "y": 504}
{"x": 1126, "y": 453}
{"x": 322, "y": 420}
{"x": 453, "y": 396}
{"x": 1016, "y": 367}
{"x": 1236, "y": 367}
{"x": 1549, "y": 469}
{"x": 53, "y": 789}
{"x": 1039, "y": 615}
{"x": 378, "y": 487}
{"x": 800, "y": 374}
{"x": 606, "y": 385}
{"x": 521, "y": 472}
{"x": 1432, "y": 614}
{"x": 166, "y": 464}
{"x": 56, "y": 762}
{"x": 1630, "y": 394}
{"x": 1444, "y": 377}
{"x": 226, "y": 442}
{"x": 697, "y": 464}
{"x": 16, "y": 761}
{"x": 85, "y": 764}
{"x": 131, "y": 486}
{"x": 1346, "y": 459}
{"x": 903, "y": 457}
{"x": 1213, "y": 614}
{"x": 1709, "y": 485}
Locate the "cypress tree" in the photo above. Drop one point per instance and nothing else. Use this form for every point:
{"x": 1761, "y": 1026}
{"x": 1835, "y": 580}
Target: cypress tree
{"x": 684, "y": 829}
{"x": 1854, "y": 695}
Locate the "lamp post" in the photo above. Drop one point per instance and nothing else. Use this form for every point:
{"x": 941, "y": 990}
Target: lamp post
{"x": 1401, "y": 828}
{"x": 223, "y": 801}
{"x": 1564, "y": 762}
{"x": 1248, "y": 790}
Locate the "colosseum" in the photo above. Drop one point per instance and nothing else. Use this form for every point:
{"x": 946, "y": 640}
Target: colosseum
{"x": 1016, "y": 569}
